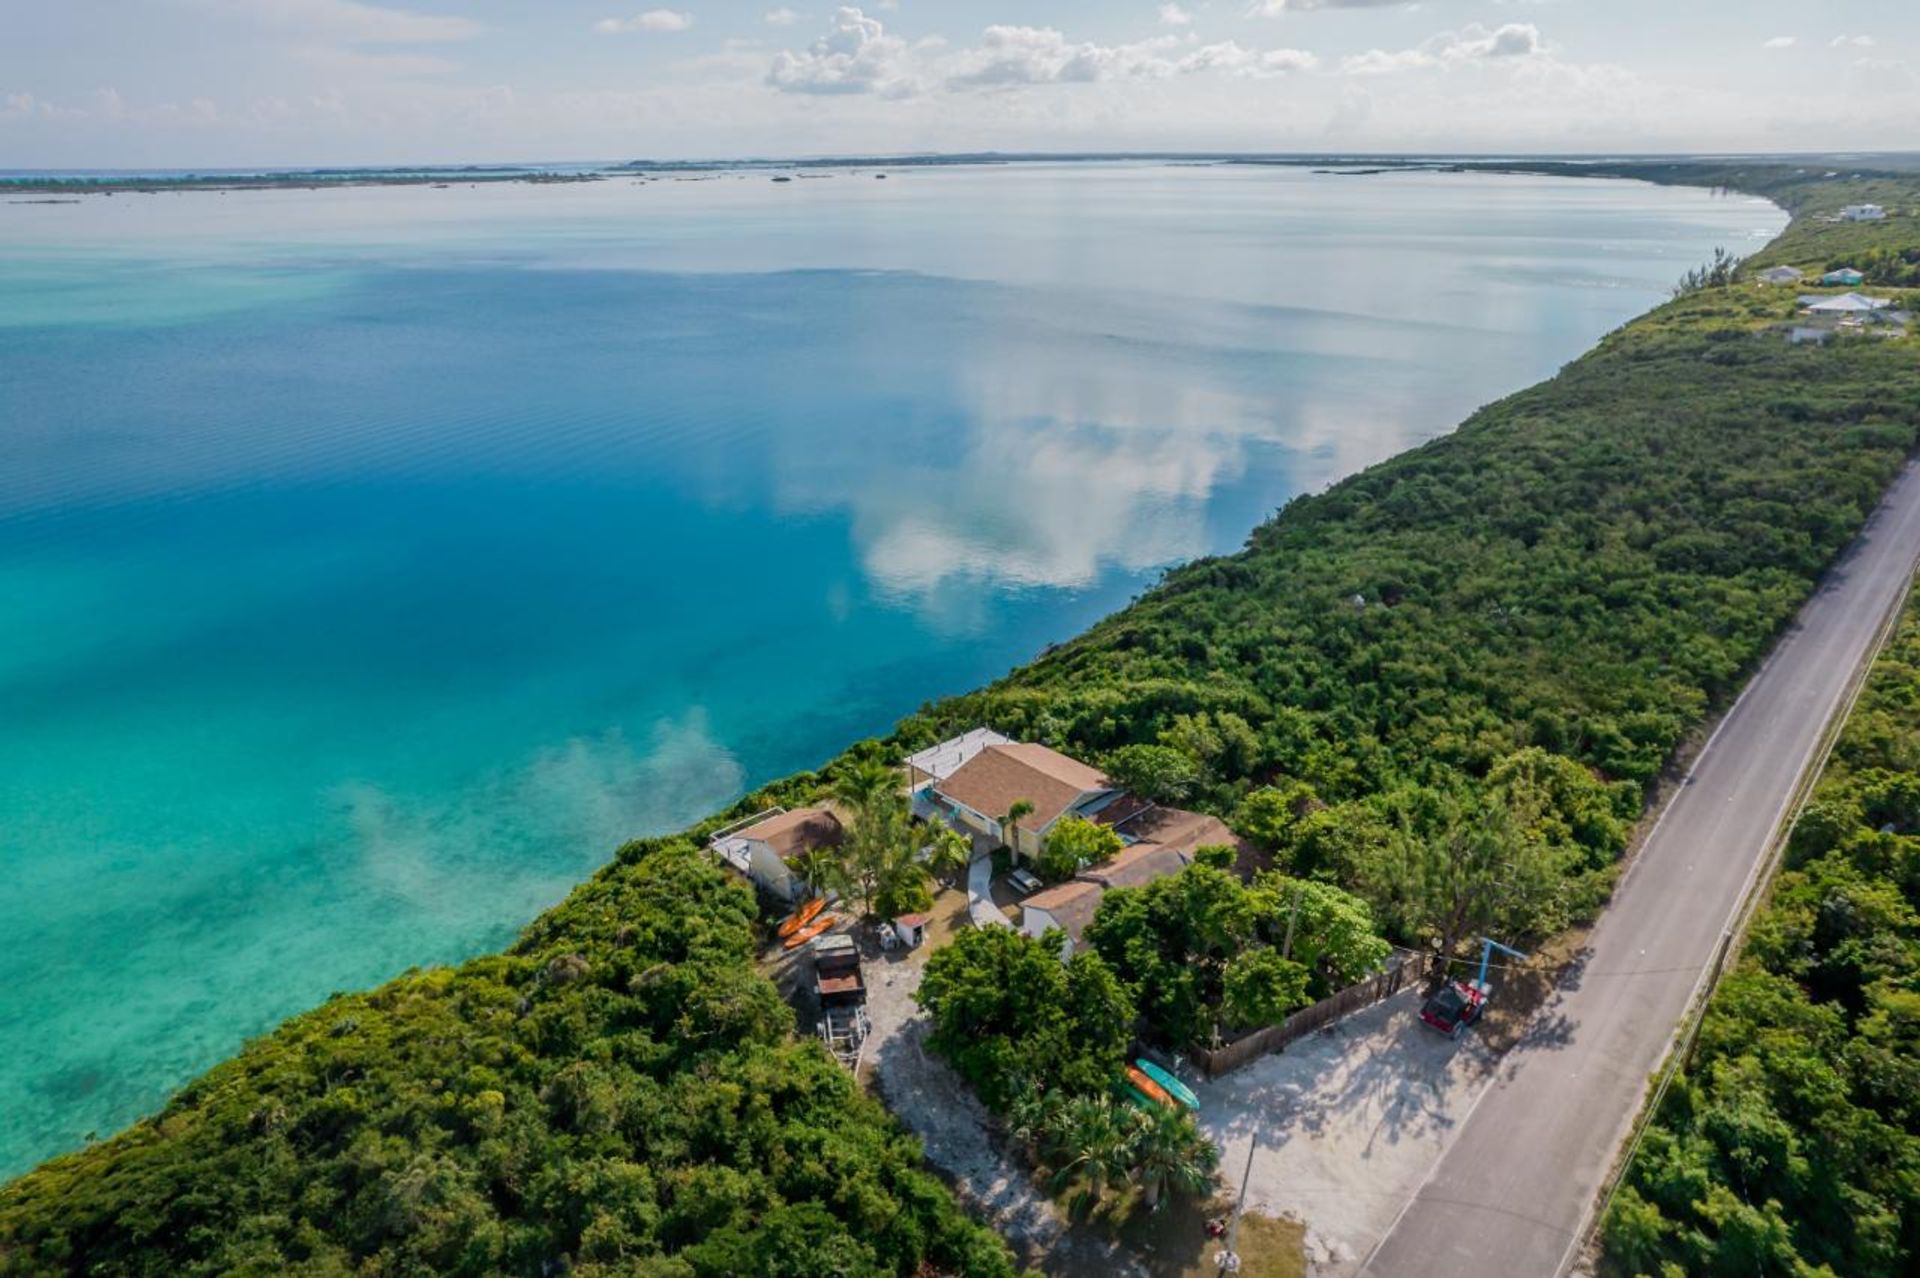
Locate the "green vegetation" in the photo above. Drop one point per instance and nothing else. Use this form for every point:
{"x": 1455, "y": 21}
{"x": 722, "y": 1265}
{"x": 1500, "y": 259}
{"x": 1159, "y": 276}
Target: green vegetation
{"x": 1791, "y": 1143}
{"x": 1445, "y": 687}
{"x": 887, "y": 864}
{"x": 619, "y": 1093}
{"x": 1045, "y": 1043}
{"x": 1201, "y": 952}
{"x": 1012, "y": 1018}
{"x": 1086, "y": 1146}
{"x": 1072, "y": 845}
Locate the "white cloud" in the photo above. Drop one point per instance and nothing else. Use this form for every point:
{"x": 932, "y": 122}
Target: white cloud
{"x": 857, "y": 56}
{"x": 348, "y": 21}
{"x": 18, "y": 106}
{"x": 1274, "y": 8}
{"x": 651, "y": 20}
{"x": 1172, "y": 15}
{"x": 781, "y": 17}
{"x": 1781, "y": 42}
{"x": 1232, "y": 58}
{"x": 1858, "y": 42}
{"x": 1010, "y": 55}
{"x": 1472, "y": 43}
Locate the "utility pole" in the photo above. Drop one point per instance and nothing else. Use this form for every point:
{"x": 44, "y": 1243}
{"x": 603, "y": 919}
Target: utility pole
{"x": 1286, "y": 950}
{"x": 1228, "y": 1259}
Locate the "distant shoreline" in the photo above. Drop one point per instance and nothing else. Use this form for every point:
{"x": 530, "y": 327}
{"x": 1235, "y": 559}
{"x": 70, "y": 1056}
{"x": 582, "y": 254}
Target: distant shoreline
{"x": 1658, "y": 168}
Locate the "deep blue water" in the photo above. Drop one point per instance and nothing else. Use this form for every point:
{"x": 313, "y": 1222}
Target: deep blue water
{"x": 375, "y": 561}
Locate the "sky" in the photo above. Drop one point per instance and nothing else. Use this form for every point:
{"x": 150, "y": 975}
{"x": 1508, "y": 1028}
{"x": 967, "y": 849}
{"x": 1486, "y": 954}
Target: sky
{"x": 234, "y": 83}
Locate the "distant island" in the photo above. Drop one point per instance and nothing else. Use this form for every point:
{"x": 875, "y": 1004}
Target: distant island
{"x": 1772, "y": 171}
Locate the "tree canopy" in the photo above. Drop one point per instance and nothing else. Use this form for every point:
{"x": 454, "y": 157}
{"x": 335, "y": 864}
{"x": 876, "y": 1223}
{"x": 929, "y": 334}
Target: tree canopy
{"x": 619, "y": 1093}
{"x": 1011, "y": 1017}
{"x": 1792, "y": 1144}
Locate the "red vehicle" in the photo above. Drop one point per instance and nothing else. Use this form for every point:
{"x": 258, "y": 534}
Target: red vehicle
{"x": 1454, "y": 1005}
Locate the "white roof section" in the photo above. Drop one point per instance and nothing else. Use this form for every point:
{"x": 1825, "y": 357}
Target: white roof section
{"x": 1781, "y": 274}
{"x": 1847, "y": 304}
{"x": 939, "y": 762}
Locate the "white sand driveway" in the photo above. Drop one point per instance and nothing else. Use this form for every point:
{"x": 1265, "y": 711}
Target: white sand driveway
{"x": 1350, "y": 1120}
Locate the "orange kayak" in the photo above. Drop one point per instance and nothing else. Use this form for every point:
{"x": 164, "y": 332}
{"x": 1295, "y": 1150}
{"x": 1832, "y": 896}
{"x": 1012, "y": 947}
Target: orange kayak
{"x": 811, "y": 930}
{"x": 1148, "y": 1088}
{"x": 802, "y": 916}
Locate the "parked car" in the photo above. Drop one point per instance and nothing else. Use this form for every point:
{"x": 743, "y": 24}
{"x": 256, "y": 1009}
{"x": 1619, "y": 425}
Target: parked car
{"x": 1024, "y": 882}
{"x": 1453, "y": 1006}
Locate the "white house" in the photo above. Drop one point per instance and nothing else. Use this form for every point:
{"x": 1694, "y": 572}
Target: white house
{"x": 1863, "y": 213}
{"x": 1845, "y": 304}
{"x": 978, "y": 795}
{"x": 763, "y": 849}
{"x": 1781, "y": 275}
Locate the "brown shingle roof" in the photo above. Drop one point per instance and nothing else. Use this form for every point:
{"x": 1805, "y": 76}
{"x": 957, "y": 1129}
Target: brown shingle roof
{"x": 1138, "y": 864}
{"x": 1001, "y": 775}
{"x": 1176, "y": 828}
{"x": 801, "y": 830}
{"x": 1071, "y": 904}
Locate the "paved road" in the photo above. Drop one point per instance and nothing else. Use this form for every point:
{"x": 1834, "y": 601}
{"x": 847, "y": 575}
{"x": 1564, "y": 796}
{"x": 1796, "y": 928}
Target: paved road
{"x": 1513, "y": 1189}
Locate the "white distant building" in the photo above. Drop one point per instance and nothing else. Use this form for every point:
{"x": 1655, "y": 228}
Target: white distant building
{"x": 1845, "y": 304}
{"x": 1863, "y": 213}
{"x": 1781, "y": 275}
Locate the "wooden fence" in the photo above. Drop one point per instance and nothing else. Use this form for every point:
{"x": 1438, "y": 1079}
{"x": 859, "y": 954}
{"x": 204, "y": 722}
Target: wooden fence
{"x": 1404, "y": 969}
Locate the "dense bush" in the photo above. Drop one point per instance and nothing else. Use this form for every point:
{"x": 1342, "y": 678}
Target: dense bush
{"x": 619, "y": 1093}
{"x": 1012, "y": 1018}
{"x": 1792, "y": 1144}
{"x": 1074, "y": 844}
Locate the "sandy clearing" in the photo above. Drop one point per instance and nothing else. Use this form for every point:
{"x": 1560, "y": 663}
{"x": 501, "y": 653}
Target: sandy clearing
{"x": 1350, "y": 1121}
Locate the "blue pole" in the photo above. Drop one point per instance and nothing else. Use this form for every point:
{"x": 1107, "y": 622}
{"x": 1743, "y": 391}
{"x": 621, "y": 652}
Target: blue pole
{"x": 1487, "y": 946}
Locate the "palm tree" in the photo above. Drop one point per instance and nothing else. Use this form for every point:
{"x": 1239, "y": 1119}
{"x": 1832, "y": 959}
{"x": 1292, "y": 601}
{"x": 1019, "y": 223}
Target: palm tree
{"x": 1010, "y": 824}
{"x": 879, "y": 865}
{"x": 1168, "y": 1152}
{"x": 818, "y": 868}
{"x": 947, "y": 850}
{"x": 867, "y": 787}
{"x": 1032, "y": 1119}
{"x": 1094, "y": 1148}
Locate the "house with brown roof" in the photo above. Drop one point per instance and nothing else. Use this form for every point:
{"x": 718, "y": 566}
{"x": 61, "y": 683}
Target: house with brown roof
{"x": 1069, "y": 906}
{"x": 763, "y": 849}
{"x": 977, "y": 795}
{"x": 1176, "y": 828}
{"x": 1161, "y": 843}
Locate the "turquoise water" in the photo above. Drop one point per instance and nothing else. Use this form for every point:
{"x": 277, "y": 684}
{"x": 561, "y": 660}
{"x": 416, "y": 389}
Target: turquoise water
{"x": 376, "y": 560}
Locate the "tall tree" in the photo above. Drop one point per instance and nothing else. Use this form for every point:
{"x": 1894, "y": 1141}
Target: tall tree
{"x": 879, "y": 864}
{"x": 1010, "y": 824}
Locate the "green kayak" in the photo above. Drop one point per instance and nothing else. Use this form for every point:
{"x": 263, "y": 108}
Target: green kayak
{"x": 1175, "y": 1088}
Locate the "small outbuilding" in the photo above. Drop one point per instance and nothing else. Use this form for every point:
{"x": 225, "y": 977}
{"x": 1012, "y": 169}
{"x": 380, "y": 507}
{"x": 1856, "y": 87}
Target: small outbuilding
{"x": 1863, "y": 213}
{"x": 1846, "y": 275}
{"x": 1781, "y": 275}
{"x": 911, "y": 929}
